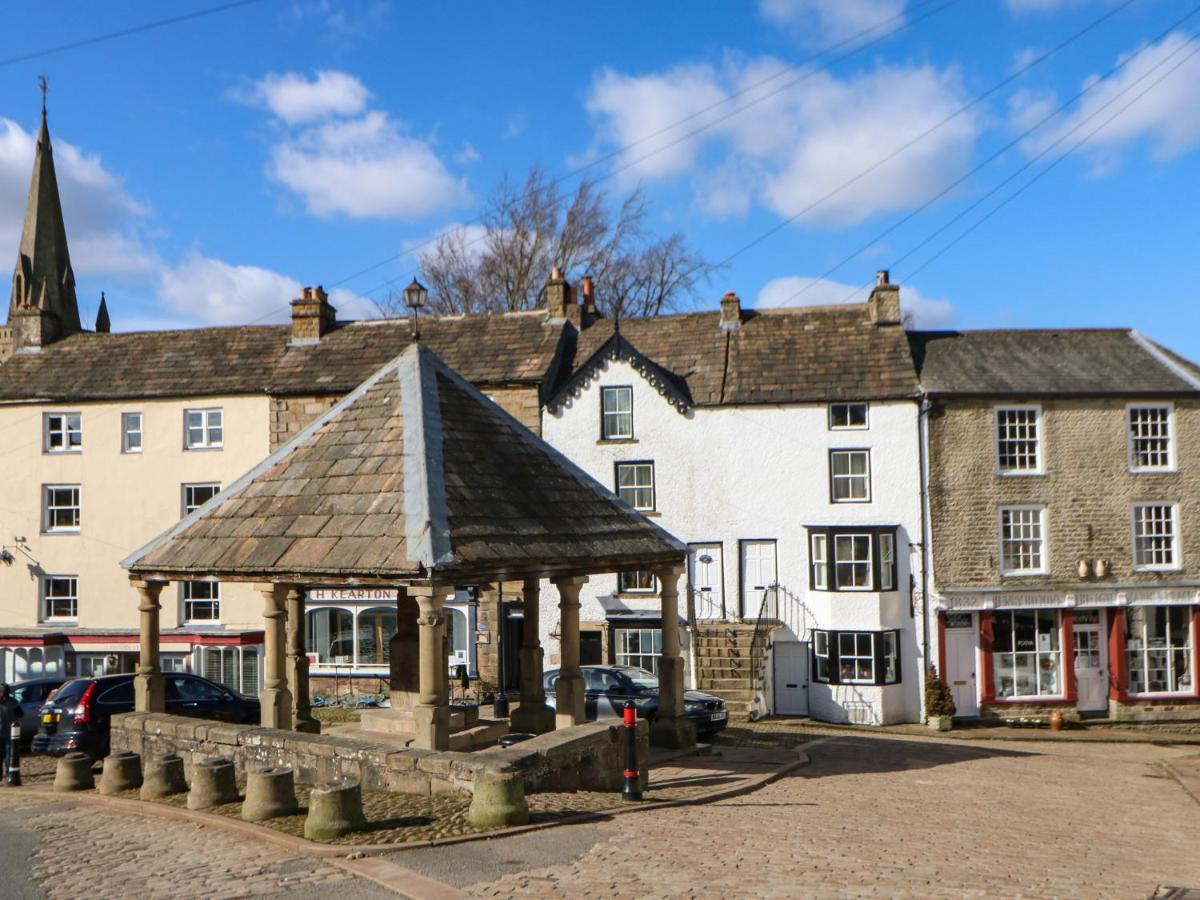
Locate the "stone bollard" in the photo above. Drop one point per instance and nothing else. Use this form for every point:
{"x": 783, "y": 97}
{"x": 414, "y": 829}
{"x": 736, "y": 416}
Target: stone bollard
{"x": 334, "y": 808}
{"x": 74, "y": 773}
{"x": 498, "y": 800}
{"x": 213, "y": 783}
{"x": 122, "y": 772}
{"x": 270, "y": 793}
{"x": 164, "y": 778}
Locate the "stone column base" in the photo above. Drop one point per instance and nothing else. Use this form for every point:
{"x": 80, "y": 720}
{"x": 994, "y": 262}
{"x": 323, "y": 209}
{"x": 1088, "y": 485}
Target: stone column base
{"x": 276, "y": 708}
{"x": 431, "y": 727}
{"x": 672, "y": 732}
{"x": 534, "y": 717}
{"x": 149, "y": 692}
{"x": 569, "y": 707}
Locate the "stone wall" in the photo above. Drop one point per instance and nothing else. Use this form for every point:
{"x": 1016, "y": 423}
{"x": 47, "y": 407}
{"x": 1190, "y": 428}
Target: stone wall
{"x": 1087, "y": 489}
{"x": 291, "y": 414}
{"x": 586, "y": 757}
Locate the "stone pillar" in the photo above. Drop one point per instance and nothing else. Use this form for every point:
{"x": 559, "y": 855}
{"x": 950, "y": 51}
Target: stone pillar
{"x": 533, "y": 715}
{"x": 275, "y": 698}
{"x": 671, "y": 727}
{"x": 569, "y": 691}
{"x": 297, "y": 663}
{"x": 431, "y": 714}
{"x": 148, "y": 689}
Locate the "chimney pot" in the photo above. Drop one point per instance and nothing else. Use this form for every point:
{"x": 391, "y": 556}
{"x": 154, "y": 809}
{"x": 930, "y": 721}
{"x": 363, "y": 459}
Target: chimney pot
{"x": 560, "y": 301}
{"x": 884, "y": 302}
{"x": 882, "y": 277}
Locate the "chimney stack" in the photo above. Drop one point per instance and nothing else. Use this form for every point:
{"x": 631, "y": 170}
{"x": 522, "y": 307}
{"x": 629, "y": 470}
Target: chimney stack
{"x": 560, "y": 300}
{"x": 885, "y": 300}
{"x": 312, "y": 316}
{"x": 731, "y": 312}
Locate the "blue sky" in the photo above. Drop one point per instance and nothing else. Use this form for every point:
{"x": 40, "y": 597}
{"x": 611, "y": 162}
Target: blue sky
{"x": 210, "y": 167}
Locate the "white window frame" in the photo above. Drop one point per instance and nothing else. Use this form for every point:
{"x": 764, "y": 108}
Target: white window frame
{"x": 834, "y": 477}
{"x": 207, "y": 426}
{"x": 1144, "y": 652}
{"x": 624, "y": 657}
{"x": 1000, "y": 657}
{"x": 820, "y": 560}
{"x": 1043, "y": 543}
{"x": 821, "y": 643}
{"x": 854, "y": 636}
{"x": 64, "y": 431}
{"x": 866, "y": 416}
{"x": 127, "y": 418}
{"x": 887, "y": 562}
{"x": 184, "y": 600}
{"x": 624, "y": 588}
{"x": 615, "y": 415}
{"x": 1169, "y": 408}
{"x": 47, "y": 526}
{"x": 1176, "y": 545}
{"x": 188, "y": 508}
{"x": 852, "y": 538}
{"x": 73, "y": 597}
{"x": 638, "y": 486}
{"x": 1040, "y": 439}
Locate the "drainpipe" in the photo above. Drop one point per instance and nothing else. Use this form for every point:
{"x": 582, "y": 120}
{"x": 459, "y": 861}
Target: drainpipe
{"x": 693, "y": 676}
{"x": 926, "y": 527}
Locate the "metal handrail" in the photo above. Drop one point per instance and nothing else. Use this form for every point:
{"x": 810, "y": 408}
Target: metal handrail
{"x": 758, "y": 654}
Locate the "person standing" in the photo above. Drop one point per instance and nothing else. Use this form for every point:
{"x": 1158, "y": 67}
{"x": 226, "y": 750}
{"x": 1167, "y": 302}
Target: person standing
{"x": 10, "y": 714}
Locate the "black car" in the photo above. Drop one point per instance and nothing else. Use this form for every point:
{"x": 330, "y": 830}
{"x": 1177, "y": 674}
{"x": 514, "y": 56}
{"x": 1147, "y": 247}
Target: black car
{"x": 78, "y": 717}
{"x": 31, "y": 695}
{"x": 608, "y": 687}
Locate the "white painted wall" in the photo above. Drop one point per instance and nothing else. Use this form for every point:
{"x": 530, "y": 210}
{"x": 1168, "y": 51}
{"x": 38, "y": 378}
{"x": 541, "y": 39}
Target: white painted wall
{"x": 733, "y": 473}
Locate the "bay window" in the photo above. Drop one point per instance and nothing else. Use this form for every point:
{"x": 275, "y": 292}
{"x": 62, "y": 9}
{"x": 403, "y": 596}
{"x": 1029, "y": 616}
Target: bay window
{"x": 1158, "y": 649}
{"x": 856, "y": 657}
{"x": 852, "y": 558}
{"x": 1026, "y": 657}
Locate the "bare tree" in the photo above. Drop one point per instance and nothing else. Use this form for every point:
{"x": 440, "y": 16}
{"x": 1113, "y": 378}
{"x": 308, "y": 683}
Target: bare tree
{"x": 527, "y": 229}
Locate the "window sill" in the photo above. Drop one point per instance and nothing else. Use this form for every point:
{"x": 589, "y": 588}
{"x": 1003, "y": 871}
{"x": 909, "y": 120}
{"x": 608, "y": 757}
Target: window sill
{"x": 1020, "y": 474}
{"x": 1044, "y": 698}
{"x": 635, "y": 595}
{"x": 202, "y": 449}
{"x": 1172, "y": 470}
{"x": 60, "y": 531}
{"x": 65, "y": 623}
{"x": 1156, "y": 570}
{"x": 840, "y": 502}
{"x": 1161, "y": 695}
{"x": 78, "y": 452}
{"x": 1024, "y": 574}
{"x": 604, "y": 441}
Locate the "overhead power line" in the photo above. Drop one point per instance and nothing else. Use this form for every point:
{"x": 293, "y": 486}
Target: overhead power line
{"x": 126, "y": 32}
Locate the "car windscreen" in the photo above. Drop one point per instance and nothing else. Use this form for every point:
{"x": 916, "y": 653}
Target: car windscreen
{"x": 71, "y": 691}
{"x": 641, "y": 677}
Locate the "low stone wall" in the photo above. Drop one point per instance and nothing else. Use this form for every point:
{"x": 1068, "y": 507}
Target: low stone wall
{"x": 1163, "y": 709}
{"x": 586, "y": 757}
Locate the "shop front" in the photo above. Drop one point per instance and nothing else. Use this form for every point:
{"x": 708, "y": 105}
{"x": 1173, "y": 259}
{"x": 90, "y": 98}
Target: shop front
{"x": 1124, "y": 655}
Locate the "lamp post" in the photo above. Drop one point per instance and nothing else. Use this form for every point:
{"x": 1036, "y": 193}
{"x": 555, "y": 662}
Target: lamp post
{"x": 415, "y": 296}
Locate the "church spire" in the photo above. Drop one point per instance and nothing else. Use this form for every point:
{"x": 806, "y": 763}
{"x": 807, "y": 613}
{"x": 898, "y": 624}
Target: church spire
{"x": 43, "y": 307}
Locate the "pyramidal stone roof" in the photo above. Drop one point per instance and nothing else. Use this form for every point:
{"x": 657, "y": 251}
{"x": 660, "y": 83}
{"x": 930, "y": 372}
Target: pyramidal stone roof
{"x": 413, "y": 476}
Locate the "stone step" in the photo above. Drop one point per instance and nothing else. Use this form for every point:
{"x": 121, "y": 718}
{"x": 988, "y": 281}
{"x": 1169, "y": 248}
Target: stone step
{"x": 723, "y": 643}
{"x": 724, "y": 667}
{"x": 738, "y": 707}
{"x": 735, "y": 694}
{"x": 716, "y": 685}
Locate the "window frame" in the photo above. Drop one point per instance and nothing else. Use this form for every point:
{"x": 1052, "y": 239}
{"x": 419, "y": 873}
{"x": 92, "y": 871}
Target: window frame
{"x": 623, "y": 589}
{"x": 1130, "y": 439}
{"x": 605, "y": 391}
{"x": 832, "y": 638}
{"x": 206, "y": 428}
{"x": 1040, "y": 431}
{"x": 830, "y": 534}
{"x": 1168, "y": 648}
{"x": 1176, "y": 563}
{"x": 1037, "y": 653}
{"x": 865, "y": 426}
{"x": 65, "y": 431}
{"x": 1043, "y": 541}
{"x": 185, "y": 508}
{"x": 44, "y": 603}
{"x": 47, "y": 527}
{"x": 617, "y": 466}
{"x": 126, "y": 431}
{"x": 184, "y": 600}
{"x": 651, "y": 628}
{"x": 833, "y": 478}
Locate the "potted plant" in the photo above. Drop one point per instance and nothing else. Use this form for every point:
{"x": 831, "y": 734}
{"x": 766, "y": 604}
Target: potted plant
{"x": 939, "y": 702}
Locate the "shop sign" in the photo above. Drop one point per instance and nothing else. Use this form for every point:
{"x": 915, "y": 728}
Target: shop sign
{"x": 352, "y": 595}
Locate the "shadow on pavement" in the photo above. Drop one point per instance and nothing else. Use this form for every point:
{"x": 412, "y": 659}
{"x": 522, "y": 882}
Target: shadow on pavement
{"x": 851, "y": 755}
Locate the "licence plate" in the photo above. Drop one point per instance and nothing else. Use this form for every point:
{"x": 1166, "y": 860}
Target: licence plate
{"x": 50, "y": 718}
{"x": 719, "y": 716}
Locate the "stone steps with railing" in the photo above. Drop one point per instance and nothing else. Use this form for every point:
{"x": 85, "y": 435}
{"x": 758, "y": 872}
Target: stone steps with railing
{"x": 723, "y": 663}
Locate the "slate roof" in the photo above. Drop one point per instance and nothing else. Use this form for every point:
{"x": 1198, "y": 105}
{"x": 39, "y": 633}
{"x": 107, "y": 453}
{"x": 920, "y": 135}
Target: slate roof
{"x": 513, "y": 348}
{"x": 1031, "y": 362}
{"x": 801, "y": 354}
{"x": 413, "y": 475}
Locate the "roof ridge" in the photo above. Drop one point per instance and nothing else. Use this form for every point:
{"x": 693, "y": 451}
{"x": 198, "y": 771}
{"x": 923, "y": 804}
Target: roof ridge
{"x": 1158, "y": 355}
{"x": 425, "y": 520}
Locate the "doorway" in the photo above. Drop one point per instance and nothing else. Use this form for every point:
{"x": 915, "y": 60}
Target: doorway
{"x": 706, "y": 580}
{"x": 758, "y": 575}
{"x": 791, "y": 678}
{"x": 960, "y": 663}
{"x": 1090, "y": 681}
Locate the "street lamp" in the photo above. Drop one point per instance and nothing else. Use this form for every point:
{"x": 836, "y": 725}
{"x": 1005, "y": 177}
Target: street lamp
{"x": 415, "y": 296}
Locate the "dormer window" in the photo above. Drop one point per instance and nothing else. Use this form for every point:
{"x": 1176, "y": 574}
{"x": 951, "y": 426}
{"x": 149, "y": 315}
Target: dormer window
{"x": 63, "y": 432}
{"x": 616, "y": 413}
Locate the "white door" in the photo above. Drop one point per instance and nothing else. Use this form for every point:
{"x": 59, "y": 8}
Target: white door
{"x": 791, "y": 678}
{"x": 758, "y": 574}
{"x": 707, "y": 581}
{"x": 1090, "y": 682}
{"x": 960, "y": 670}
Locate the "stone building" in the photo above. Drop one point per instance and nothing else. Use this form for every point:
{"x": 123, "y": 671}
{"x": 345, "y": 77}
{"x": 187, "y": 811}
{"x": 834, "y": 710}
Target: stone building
{"x": 1064, "y": 490}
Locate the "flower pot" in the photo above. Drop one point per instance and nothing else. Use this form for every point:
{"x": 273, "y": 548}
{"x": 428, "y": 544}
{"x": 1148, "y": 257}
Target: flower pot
{"x": 941, "y": 723}
{"x": 1056, "y": 721}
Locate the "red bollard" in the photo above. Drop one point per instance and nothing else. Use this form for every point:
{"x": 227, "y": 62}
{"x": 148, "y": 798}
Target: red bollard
{"x": 633, "y": 777}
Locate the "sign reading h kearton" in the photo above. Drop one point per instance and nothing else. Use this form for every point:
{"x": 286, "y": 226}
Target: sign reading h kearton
{"x": 352, "y": 595}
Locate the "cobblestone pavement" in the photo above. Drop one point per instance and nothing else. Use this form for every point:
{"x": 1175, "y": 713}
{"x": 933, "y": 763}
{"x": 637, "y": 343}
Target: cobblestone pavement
{"x": 903, "y": 816}
{"x": 86, "y": 851}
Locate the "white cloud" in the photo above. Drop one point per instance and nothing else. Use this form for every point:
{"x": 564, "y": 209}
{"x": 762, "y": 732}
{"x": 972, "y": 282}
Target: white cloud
{"x": 296, "y": 99}
{"x": 798, "y": 290}
{"x": 1167, "y": 115}
{"x": 786, "y": 149}
{"x": 210, "y": 291}
{"x": 833, "y": 20}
